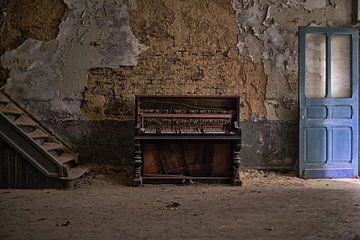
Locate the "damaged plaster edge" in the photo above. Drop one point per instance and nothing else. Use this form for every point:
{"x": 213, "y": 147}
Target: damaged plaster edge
{"x": 37, "y": 43}
{"x": 68, "y": 28}
{"x": 138, "y": 47}
{"x": 282, "y": 66}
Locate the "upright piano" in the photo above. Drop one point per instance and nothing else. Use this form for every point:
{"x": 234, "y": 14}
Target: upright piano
{"x": 187, "y": 139}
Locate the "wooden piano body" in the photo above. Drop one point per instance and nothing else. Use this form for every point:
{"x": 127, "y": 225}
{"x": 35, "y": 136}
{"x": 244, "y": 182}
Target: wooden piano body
{"x": 187, "y": 138}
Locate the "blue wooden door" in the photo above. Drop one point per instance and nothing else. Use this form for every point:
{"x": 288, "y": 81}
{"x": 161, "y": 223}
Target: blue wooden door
{"x": 328, "y": 96}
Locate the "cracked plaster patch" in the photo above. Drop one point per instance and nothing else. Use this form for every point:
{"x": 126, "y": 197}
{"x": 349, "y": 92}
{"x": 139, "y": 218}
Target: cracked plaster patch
{"x": 268, "y": 35}
{"x": 56, "y": 70}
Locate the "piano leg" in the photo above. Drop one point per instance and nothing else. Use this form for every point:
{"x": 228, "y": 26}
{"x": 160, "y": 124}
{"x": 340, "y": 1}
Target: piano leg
{"x": 236, "y": 165}
{"x": 137, "y": 181}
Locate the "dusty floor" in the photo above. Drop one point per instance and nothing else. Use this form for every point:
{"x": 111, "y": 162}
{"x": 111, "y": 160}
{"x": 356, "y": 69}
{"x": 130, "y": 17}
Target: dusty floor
{"x": 269, "y": 206}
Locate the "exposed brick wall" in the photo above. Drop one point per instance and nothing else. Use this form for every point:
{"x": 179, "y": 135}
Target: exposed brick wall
{"x": 192, "y": 51}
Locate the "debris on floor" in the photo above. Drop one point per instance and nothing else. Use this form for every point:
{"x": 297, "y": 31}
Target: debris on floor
{"x": 171, "y": 206}
{"x": 65, "y": 224}
{"x": 253, "y": 177}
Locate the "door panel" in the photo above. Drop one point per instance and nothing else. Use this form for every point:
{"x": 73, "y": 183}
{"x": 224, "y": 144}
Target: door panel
{"x": 316, "y": 112}
{"x": 342, "y": 112}
{"x": 341, "y": 150}
{"x": 328, "y": 96}
{"x": 316, "y": 145}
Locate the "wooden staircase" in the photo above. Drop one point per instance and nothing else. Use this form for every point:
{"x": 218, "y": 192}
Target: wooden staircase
{"x": 39, "y": 147}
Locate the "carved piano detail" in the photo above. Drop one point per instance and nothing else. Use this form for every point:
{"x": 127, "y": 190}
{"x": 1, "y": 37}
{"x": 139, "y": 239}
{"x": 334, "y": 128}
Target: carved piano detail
{"x": 187, "y": 138}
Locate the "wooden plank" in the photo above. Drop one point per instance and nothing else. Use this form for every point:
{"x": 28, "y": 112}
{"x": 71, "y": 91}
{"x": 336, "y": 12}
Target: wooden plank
{"x": 222, "y": 160}
{"x": 152, "y": 163}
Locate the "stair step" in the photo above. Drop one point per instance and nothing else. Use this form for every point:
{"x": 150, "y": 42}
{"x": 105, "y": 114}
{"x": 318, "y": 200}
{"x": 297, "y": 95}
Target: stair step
{"x": 76, "y": 173}
{"x": 12, "y": 115}
{"x": 4, "y": 101}
{"x": 66, "y": 157}
{"x": 26, "y": 126}
{"x": 10, "y": 112}
{"x": 38, "y": 134}
{"x": 52, "y": 146}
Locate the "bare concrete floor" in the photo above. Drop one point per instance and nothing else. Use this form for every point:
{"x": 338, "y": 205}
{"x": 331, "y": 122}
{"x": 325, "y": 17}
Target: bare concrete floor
{"x": 269, "y": 206}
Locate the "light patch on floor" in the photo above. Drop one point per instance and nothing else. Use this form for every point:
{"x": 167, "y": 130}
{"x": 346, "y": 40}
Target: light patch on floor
{"x": 348, "y": 180}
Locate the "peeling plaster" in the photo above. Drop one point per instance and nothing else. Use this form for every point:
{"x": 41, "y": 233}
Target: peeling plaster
{"x": 268, "y": 35}
{"x": 95, "y": 34}
{"x": 51, "y": 77}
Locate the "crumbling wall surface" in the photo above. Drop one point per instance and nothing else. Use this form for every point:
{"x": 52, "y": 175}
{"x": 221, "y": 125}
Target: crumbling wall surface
{"x": 76, "y": 65}
{"x": 191, "y": 51}
{"x": 268, "y": 35}
{"x": 107, "y": 142}
{"x": 37, "y": 19}
{"x": 48, "y": 71}
{"x": 22, "y": 19}
{"x": 269, "y": 144}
